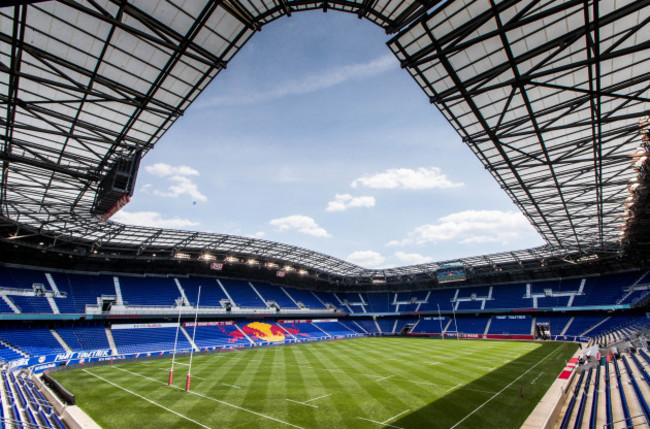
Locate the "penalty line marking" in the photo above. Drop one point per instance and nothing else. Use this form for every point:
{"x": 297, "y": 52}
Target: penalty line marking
{"x": 384, "y": 378}
{"x": 231, "y": 385}
{"x": 147, "y": 399}
{"x": 502, "y": 390}
{"x": 214, "y": 399}
{"x": 307, "y": 402}
{"x": 303, "y": 403}
{"x": 535, "y": 379}
{"x": 385, "y": 422}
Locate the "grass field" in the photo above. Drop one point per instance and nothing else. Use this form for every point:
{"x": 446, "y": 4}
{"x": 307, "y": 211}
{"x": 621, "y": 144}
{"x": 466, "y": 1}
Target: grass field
{"x": 356, "y": 383}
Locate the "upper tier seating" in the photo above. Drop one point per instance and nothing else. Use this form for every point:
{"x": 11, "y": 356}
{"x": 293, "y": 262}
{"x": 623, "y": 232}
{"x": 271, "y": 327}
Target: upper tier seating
{"x": 353, "y": 302}
{"x": 149, "y": 291}
{"x": 440, "y": 297}
{"x": 242, "y": 294}
{"x": 379, "y": 302}
{"x": 607, "y": 289}
{"x": 18, "y": 278}
{"x": 328, "y": 298}
{"x": 509, "y": 296}
{"x": 84, "y": 289}
{"x": 4, "y": 307}
{"x": 31, "y": 304}
{"x": 305, "y": 297}
{"x": 274, "y": 293}
{"x": 79, "y": 290}
{"x": 211, "y": 292}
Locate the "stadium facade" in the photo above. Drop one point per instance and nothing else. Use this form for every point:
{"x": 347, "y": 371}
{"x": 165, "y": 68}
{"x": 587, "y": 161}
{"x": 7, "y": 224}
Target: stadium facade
{"x": 552, "y": 97}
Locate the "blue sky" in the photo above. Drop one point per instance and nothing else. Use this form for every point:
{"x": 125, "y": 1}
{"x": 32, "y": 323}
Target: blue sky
{"x": 315, "y": 137}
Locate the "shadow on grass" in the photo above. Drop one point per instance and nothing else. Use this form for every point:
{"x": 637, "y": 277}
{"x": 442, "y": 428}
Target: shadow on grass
{"x": 505, "y": 408}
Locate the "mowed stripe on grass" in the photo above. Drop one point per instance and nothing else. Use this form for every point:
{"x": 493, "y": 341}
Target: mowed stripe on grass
{"x": 374, "y": 379}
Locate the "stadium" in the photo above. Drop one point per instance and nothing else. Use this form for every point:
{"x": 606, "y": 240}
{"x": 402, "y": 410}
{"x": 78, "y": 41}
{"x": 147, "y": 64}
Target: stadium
{"x": 107, "y": 324}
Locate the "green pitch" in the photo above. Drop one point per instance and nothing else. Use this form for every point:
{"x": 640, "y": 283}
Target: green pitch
{"x": 357, "y": 383}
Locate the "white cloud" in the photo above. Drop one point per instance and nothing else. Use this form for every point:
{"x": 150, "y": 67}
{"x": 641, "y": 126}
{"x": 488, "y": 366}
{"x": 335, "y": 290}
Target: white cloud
{"x": 182, "y": 185}
{"x": 309, "y": 84}
{"x": 162, "y": 169}
{"x": 300, "y": 223}
{"x": 366, "y": 258}
{"x": 259, "y": 234}
{"x": 406, "y": 178}
{"x": 412, "y": 258}
{"x": 343, "y": 202}
{"x": 472, "y": 226}
{"x": 154, "y": 219}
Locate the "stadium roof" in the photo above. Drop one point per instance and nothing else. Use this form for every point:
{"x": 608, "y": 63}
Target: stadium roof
{"x": 548, "y": 94}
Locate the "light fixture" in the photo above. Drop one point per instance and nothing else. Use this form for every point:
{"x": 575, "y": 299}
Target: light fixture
{"x": 181, "y": 255}
{"x": 207, "y": 257}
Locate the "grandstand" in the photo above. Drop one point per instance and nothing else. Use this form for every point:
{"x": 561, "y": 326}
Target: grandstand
{"x": 553, "y": 99}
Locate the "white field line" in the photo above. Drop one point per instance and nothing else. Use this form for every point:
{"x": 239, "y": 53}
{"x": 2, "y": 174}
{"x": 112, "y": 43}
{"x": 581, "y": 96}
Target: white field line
{"x": 380, "y": 423}
{"x": 215, "y": 400}
{"x": 510, "y": 384}
{"x": 394, "y": 417}
{"x": 307, "y": 402}
{"x": 449, "y": 390}
{"x": 320, "y": 397}
{"x": 231, "y": 385}
{"x": 148, "y": 400}
{"x": 433, "y": 363}
{"x": 424, "y": 383}
{"x": 303, "y": 403}
{"x": 535, "y": 379}
{"x": 385, "y": 378}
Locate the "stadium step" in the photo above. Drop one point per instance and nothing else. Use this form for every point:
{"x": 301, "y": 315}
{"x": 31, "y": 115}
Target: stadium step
{"x": 53, "y": 306}
{"x": 9, "y": 346}
{"x": 118, "y": 291}
{"x": 595, "y": 326}
{"x": 487, "y": 326}
{"x": 258, "y": 294}
{"x": 111, "y": 341}
{"x": 60, "y": 340}
{"x": 189, "y": 338}
{"x": 566, "y": 327}
{"x": 181, "y": 291}
{"x": 10, "y": 303}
